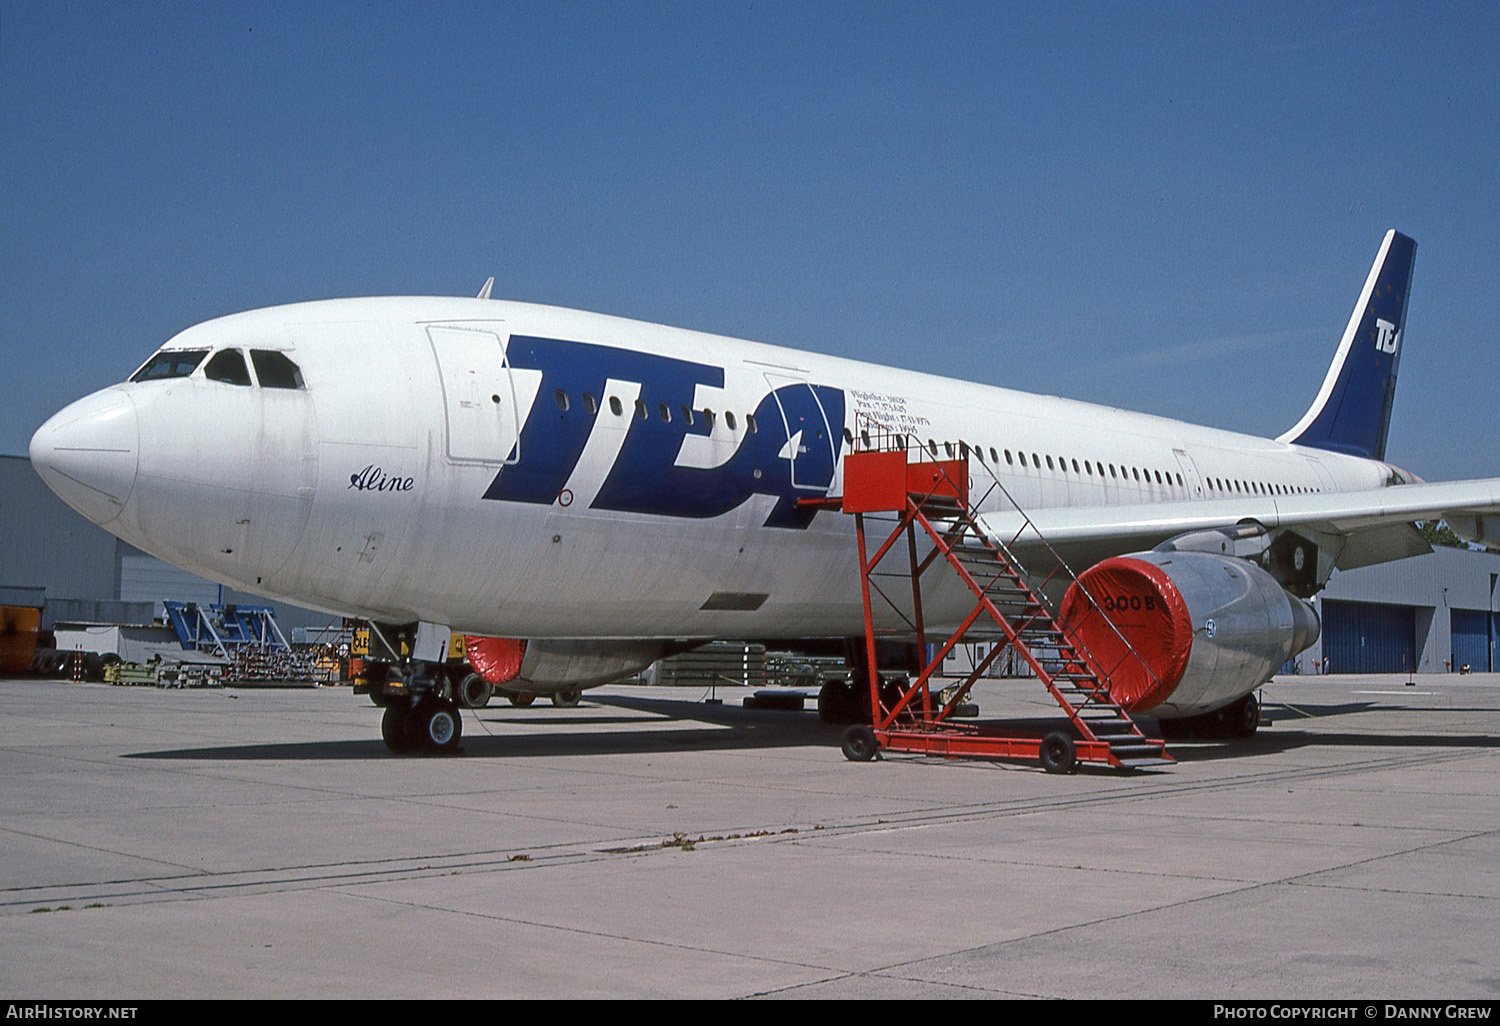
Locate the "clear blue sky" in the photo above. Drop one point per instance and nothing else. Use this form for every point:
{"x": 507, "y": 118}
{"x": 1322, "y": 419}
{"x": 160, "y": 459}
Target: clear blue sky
{"x": 1166, "y": 207}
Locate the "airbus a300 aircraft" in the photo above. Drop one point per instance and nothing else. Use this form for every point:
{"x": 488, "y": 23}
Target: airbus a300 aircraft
{"x": 608, "y": 490}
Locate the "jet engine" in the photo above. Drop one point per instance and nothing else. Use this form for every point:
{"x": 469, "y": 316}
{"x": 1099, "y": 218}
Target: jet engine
{"x": 1178, "y": 634}
{"x": 543, "y": 667}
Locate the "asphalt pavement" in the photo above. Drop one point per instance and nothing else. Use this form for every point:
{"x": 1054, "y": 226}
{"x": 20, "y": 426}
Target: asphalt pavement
{"x": 263, "y": 843}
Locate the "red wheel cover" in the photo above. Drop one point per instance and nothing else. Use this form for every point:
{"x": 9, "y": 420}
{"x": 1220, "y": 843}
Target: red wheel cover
{"x": 497, "y": 660}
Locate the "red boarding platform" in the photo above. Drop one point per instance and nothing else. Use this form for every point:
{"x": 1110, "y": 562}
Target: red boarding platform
{"x": 932, "y": 498}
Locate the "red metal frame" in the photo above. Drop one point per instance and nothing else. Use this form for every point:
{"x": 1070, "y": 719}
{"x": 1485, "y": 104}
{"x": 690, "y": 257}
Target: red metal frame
{"x": 885, "y": 482}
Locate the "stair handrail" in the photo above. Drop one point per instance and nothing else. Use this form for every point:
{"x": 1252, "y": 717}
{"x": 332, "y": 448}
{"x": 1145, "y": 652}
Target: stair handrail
{"x": 903, "y": 441}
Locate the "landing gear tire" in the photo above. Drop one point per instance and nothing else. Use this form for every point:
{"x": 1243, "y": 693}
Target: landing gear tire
{"x": 393, "y": 728}
{"x": 859, "y": 743}
{"x": 474, "y": 692}
{"x": 1058, "y": 754}
{"x": 1243, "y": 717}
{"x": 567, "y": 698}
{"x": 520, "y": 699}
{"x": 435, "y": 724}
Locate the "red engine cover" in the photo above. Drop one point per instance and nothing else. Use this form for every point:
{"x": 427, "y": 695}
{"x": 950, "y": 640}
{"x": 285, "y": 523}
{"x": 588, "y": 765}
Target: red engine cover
{"x": 497, "y": 660}
{"x": 1149, "y": 613}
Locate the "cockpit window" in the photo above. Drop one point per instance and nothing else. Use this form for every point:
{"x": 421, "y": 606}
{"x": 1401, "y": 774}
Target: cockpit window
{"x": 174, "y": 363}
{"x": 228, "y": 366}
{"x": 275, "y": 370}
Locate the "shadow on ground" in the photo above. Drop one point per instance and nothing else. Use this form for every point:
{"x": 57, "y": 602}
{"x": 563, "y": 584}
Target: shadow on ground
{"x": 662, "y": 726}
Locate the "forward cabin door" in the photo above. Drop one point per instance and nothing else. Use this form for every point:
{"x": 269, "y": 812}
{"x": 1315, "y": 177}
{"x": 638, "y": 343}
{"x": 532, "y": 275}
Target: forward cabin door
{"x": 479, "y": 394}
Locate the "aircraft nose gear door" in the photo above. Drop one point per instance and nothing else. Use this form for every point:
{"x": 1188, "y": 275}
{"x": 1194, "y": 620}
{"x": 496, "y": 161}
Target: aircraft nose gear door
{"x": 484, "y": 402}
{"x": 809, "y": 436}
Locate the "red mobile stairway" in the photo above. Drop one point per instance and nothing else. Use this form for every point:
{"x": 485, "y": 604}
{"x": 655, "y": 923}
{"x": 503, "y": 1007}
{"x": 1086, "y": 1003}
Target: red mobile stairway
{"x": 932, "y": 497}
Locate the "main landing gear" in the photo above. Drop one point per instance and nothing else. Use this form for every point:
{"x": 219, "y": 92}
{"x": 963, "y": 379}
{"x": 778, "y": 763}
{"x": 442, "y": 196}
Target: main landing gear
{"x": 1239, "y": 719}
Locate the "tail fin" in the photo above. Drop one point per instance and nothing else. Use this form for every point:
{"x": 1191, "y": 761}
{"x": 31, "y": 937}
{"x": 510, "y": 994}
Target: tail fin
{"x": 1352, "y": 412}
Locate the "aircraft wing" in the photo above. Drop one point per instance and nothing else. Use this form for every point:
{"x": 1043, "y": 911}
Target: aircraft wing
{"x": 1367, "y": 527}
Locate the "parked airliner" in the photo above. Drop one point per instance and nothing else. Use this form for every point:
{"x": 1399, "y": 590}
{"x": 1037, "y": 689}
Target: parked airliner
{"x": 603, "y": 490}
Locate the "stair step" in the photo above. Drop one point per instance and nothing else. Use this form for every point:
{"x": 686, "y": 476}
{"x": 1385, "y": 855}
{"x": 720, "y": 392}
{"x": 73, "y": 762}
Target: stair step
{"x": 1121, "y": 751}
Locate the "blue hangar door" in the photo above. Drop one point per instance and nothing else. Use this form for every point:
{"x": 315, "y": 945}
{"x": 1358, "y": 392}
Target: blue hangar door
{"x": 1473, "y": 637}
{"x": 1365, "y": 637}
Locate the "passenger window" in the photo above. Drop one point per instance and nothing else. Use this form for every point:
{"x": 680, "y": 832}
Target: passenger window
{"x": 562, "y": 400}
{"x": 750, "y": 424}
{"x": 228, "y": 366}
{"x": 614, "y": 405}
{"x": 178, "y": 363}
{"x": 1049, "y": 463}
{"x": 948, "y": 446}
{"x": 275, "y": 369}
{"x": 864, "y": 437}
{"x": 589, "y": 403}
{"x": 708, "y": 417}
{"x": 1075, "y": 466}
{"x": 666, "y": 413}
{"x": 687, "y": 415}
{"x": 641, "y": 413}
{"x": 1008, "y": 461}
{"x": 729, "y": 419}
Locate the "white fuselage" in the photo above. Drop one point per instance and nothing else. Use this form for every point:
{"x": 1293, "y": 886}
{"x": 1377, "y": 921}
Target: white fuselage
{"x": 364, "y": 492}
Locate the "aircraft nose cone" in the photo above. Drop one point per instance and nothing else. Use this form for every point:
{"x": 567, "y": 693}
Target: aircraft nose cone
{"x": 87, "y": 454}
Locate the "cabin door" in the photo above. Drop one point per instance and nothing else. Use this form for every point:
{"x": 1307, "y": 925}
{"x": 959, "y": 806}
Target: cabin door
{"x": 480, "y": 399}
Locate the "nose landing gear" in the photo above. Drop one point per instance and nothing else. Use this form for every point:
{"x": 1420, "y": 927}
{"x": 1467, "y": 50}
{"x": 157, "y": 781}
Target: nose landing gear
{"x": 432, "y": 723}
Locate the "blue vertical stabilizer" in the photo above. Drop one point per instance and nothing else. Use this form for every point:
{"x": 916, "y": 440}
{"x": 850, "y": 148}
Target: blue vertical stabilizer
{"x": 1352, "y": 412}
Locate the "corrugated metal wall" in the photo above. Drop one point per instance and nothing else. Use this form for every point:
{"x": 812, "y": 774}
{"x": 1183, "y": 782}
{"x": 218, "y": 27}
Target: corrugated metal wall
{"x": 1367, "y": 637}
{"x": 145, "y": 578}
{"x": 1473, "y": 639}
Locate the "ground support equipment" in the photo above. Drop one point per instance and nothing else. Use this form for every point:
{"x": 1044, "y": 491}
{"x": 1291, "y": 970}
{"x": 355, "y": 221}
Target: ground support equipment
{"x": 931, "y": 501}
